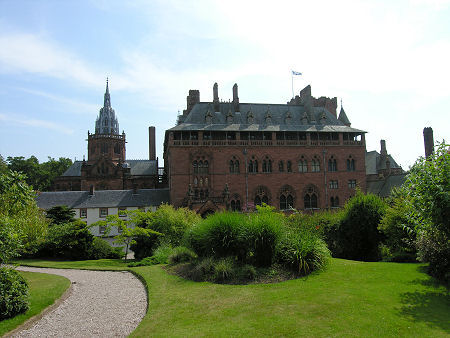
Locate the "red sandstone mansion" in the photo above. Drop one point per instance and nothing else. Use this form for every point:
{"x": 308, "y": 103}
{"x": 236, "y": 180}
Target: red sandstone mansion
{"x": 233, "y": 155}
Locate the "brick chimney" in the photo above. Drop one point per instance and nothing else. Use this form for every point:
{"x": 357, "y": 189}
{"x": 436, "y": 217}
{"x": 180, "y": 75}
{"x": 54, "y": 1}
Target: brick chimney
{"x": 151, "y": 143}
{"x": 192, "y": 99}
{"x": 428, "y": 140}
{"x": 216, "y": 97}
{"x": 235, "y": 98}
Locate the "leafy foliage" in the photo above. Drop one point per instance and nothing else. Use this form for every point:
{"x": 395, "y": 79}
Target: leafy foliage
{"x": 181, "y": 254}
{"x": 101, "y": 249}
{"x": 39, "y": 175}
{"x": 13, "y": 293}
{"x": 61, "y": 214}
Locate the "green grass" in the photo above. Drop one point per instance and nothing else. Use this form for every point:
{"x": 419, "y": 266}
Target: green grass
{"x": 348, "y": 299}
{"x": 44, "y": 290}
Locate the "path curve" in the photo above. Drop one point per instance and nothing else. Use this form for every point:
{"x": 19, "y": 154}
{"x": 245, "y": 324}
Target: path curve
{"x": 101, "y": 304}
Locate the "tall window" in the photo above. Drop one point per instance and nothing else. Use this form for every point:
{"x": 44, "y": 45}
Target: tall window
{"x": 332, "y": 164}
{"x": 334, "y": 184}
{"x": 289, "y": 166}
{"x": 253, "y": 165}
{"x": 281, "y": 166}
{"x": 286, "y": 197}
{"x": 302, "y": 165}
{"x": 350, "y": 164}
{"x": 83, "y": 213}
{"x": 267, "y": 165}
{"x": 352, "y": 183}
{"x": 334, "y": 202}
{"x": 310, "y": 198}
{"x": 315, "y": 165}
{"x": 195, "y": 166}
{"x": 234, "y": 165}
{"x": 261, "y": 196}
{"x": 103, "y": 212}
{"x": 236, "y": 205}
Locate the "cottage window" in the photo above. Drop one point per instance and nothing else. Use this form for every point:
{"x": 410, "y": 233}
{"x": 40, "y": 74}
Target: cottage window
{"x": 103, "y": 212}
{"x": 83, "y": 213}
{"x": 122, "y": 212}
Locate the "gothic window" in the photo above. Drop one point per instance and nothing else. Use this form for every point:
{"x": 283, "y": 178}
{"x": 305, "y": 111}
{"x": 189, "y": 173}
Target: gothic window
{"x": 195, "y": 166}
{"x": 234, "y": 165}
{"x": 310, "y": 198}
{"x": 267, "y": 165}
{"x": 261, "y": 196}
{"x": 104, "y": 148}
{"x": 116, "y": 148}
{"x": 236, "y": 205}
{"x": 302, "y": 165}
{"x": 286, "y": 197}
{"x": 205, "y": 167}
{"x": 253, "y": 165}
{"x": 289, "y": 166}
{"x": 350, "y": 164}
{"x": 315, "y": 165}
{"x": 206, "y": 181}
{"x": 332, "y": 164}
{"x": 281, "y": 166}
{"x": 195, "y": 181}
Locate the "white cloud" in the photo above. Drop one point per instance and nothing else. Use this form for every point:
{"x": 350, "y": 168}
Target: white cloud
{"x": 24, "y": 121}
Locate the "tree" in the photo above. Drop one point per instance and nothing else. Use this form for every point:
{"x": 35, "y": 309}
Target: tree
{"x": 428, "y": 205}
{"x": 127, "y": 229}
{"x": 61, "y": 214}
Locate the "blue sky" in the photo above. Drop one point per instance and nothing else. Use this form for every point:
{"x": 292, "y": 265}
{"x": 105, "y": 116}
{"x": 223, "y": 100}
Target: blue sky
{"x": 388, "y": 61}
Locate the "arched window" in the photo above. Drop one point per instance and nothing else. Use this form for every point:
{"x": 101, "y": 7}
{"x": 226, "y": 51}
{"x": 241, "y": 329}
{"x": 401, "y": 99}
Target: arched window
{"x": 281, "y": 166}
{"x": 332, "y": 164}
{"x": 116, "y": 148}
{"x": 235, "y": 205}
{"x": 195, "y": 166}
{"x": 253, "y": 165}
{"x": 267, "y": 165}
{"x": 261, "y": 195}
{"x": 195, "y": 181}
{"x": 205, "y": 167}
{"x": 310, "y": 197}
{"x": 231, "y": 166}
{"x": 234, "y": 165}
{"x": 286, "y": 197}
{"x": 302, "y": 165}
{"x": 315, "y": 165}
{"x": 289, "y": 166}
{"x": 334, "y": 202}
{"x": 350, "y": 164}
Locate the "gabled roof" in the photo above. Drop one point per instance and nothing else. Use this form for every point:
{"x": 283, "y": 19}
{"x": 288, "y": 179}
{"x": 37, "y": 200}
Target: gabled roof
{"x": 103, "y": 198}
{"x": 343, "y": 117}
{"x": 383, "y": 187}
{"x": 137, "y": 168}
{"x": 281, "y": 117}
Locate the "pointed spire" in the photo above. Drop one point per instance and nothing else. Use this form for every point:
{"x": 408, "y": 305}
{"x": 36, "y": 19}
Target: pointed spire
{"x": 343, "y": 116}
{"x": 107, "y": 101}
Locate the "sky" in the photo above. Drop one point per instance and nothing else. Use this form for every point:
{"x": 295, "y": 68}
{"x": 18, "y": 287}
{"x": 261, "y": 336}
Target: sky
{"x": 387, "y": 60}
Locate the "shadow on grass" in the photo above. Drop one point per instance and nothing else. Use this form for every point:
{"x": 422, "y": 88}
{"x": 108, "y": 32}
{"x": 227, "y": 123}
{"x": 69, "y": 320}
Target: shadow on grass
{"x": 431, "y": 307}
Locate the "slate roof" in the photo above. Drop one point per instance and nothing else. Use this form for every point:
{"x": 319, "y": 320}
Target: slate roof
{"x": 137, "y": 168}
{"x": 375, "y": 163}
{"x": 319, "y": 120}
{"x": 103, "y": 198}
{"x": 384, "y": 186}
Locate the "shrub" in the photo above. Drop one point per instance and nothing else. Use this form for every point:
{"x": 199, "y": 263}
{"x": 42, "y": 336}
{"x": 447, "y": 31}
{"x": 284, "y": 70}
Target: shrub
{"x": 68, "y": 241}
{"x": 261, "y": 233}
{"x": 247, "y": 272}
{"x": 434, "y": 247}
{"x": 302, "y": 251}
{"x": 219, "y": 235}
{"x": 203, "y": 269}
{"x": 13, "y": 293}
{"x": 224, "y": 269}
{"x": 358, "y": 237}
{"x": 171, "y": 222}
{"x": 181, "y": 254}
{"x": 161, "y": 256}
{"x": 101, "y": 249}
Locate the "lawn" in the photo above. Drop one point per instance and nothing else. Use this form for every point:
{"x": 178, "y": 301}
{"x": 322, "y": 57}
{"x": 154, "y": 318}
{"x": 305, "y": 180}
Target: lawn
{"x": 348, "y": 299}
{"x": 44, "y": 290}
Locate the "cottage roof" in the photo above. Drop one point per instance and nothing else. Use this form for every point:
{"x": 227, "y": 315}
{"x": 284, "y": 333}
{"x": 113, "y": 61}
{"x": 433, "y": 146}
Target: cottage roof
{"x": 103, "y": 198}
{"x": 384, "y": 186}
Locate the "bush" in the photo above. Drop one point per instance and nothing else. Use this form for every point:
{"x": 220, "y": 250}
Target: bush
{"x": 434, "y": 247}
{"x": 358, "y": 237}
{"x": 181, "y": 254}
{"x": 101, "y": 249}
{"x": 224, "y": 269}
{"x": 171, "y": 222}
{"x": 13, "y": 293}
{"x": 161, "y": 256}
{"x": 72, "y": 241}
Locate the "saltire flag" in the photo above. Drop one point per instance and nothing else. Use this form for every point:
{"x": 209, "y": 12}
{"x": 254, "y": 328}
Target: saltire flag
{"x": 296, "y": 73}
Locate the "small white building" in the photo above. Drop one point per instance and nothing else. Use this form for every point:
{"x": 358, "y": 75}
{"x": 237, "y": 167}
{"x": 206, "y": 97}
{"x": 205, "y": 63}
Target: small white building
{"x": 92, "y": 206}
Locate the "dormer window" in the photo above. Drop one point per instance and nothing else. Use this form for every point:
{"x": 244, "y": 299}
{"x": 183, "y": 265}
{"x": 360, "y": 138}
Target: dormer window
{"x": 230, "y": 117}
{"x": 288, "y": 118}
{"x": 268, "y": 117}
{"x": 304, "y": 118}
{"x": 250, "y": 117}
{"x": 208, "y": 117}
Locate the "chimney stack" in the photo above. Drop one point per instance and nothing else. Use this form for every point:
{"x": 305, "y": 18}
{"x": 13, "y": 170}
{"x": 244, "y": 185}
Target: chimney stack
{"x": 235, "y": 98}
{"x": 151, "y": 143}
{"x": 383, "y": 151}
{"x": 91, "y": 190}
{"x": 216, "y": 97}
{"x": 192, "y": 99}
{"x": 428, "y": 141}
{"x": 135, "y": 188}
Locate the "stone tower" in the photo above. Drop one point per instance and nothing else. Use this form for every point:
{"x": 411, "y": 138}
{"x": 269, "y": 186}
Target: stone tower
{"x": 106, "y": 142}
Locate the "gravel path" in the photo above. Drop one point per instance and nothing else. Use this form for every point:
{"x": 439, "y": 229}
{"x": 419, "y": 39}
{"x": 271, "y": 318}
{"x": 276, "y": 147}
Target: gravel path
{"x": 102, "y": 304}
